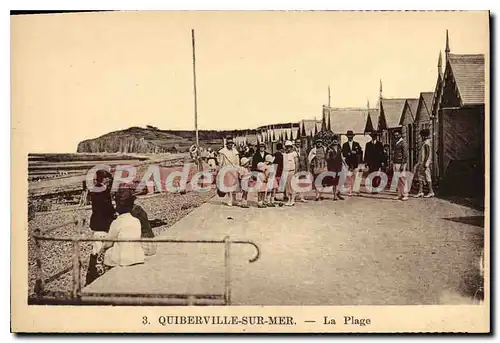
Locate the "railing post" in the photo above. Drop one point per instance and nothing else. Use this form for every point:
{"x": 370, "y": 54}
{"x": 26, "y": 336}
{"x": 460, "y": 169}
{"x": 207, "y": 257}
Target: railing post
{"x": 39, "y": 271}
{"x": 76, "y": 269}
{"x": 227, "y": 265}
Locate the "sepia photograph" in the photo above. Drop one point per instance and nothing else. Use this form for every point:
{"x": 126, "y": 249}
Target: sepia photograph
{"x": 198, "y": 161}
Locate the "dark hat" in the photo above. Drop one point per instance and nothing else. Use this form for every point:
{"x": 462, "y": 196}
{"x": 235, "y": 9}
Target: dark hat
{"x": 374, "y": 133}
{"x": 262, "y": 144}
{"x": 126, "y": 192}
{"x": 101, "y": 174}
{"x": 229, "y": 140}
{"x": 350, "y": 133}
{"x": 124, "y": 199}
{"x": 425, "y": 132}
{"x": 335, "y": 138}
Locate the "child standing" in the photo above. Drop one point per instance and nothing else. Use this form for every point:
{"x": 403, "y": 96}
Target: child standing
{"x": 261, "y": 168}
{"x": 271, "y": 181}
{"x": 245, "y": 176}
{"x": 265, "y": 197}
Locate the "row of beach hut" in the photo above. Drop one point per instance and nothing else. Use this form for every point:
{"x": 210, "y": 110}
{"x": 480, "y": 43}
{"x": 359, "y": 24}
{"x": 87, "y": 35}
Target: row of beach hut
{"x": 454, "y": 112}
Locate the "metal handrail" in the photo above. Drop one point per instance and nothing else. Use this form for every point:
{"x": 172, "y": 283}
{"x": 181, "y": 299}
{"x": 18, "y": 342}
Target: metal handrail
{"x": 76, "y": 293}
{"x": 149, "y": 240}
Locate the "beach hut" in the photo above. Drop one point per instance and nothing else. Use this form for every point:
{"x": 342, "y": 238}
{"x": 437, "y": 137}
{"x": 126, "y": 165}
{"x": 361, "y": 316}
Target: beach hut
{"x": 461, "y": 123}
{"x": 389, "y": 118}
{"x": 408, "y": 130}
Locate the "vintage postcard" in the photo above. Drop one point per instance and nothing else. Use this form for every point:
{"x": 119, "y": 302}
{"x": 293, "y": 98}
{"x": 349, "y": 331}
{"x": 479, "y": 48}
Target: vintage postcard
{"x": 249, "y": 172}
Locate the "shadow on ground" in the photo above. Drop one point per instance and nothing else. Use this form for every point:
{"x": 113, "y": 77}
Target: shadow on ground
{"x": 476, "y": 203}
{"x": 471, "y": 220}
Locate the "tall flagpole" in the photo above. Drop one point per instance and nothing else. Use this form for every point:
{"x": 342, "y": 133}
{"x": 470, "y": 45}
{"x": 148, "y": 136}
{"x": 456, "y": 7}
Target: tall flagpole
{"x": 329, "y": 98}
{"x": 195, "y": 95}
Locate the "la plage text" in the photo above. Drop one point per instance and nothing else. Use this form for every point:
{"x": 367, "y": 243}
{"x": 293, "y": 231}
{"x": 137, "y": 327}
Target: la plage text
{"x": 347, "y": 320}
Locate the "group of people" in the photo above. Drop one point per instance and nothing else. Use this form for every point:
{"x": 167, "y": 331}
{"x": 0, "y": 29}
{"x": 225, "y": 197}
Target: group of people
{"x": 266, "y": 169}
{"x": 125, "y": 221}
{"x": 211, "y": 157}
{"x": 343, "y": 160}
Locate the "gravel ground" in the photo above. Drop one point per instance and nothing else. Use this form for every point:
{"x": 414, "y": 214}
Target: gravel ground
{"x": 163, "y": 211}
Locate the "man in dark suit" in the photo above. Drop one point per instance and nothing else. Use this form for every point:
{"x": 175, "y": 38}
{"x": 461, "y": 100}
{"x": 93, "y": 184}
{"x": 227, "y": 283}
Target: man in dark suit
{"x": 352, "y": 151}
{"x": 259, "y": 156}
{"x": 374, "y": 157}
{"x": 353, "y": 155}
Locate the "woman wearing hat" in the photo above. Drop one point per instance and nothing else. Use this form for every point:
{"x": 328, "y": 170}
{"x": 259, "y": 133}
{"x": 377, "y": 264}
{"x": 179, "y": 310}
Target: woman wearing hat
{"x": 229, "y": 159}
{"x": 259, "y": 156}
{"x": 103, "y": 212}
{"x": 291, "y": 162}
{"x": 334, "y": 162}
{"x": 317, "y": 162}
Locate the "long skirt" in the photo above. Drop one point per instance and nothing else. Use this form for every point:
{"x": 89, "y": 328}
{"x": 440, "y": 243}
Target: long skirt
{"x": 422, "y": 173}
{"x": 230, "y": 179}
{"x": 288, "y": 186}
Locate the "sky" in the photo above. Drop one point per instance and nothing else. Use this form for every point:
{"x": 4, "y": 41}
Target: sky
{"x": 79, "y": 76}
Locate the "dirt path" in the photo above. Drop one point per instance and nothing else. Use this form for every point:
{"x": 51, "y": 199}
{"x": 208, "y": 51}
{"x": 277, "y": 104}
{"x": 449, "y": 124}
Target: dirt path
{"x": 369, "y": 250}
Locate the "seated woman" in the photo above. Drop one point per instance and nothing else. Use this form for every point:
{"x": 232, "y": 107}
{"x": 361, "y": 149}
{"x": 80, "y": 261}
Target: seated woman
{"x": 126, "y": 226}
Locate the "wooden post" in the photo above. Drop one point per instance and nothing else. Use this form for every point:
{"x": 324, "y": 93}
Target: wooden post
{"x": 39, "y": 272}
{"x": 195, "y": 96}
{"x": 227, "y": 265}
{"x": 76, "y": 269}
